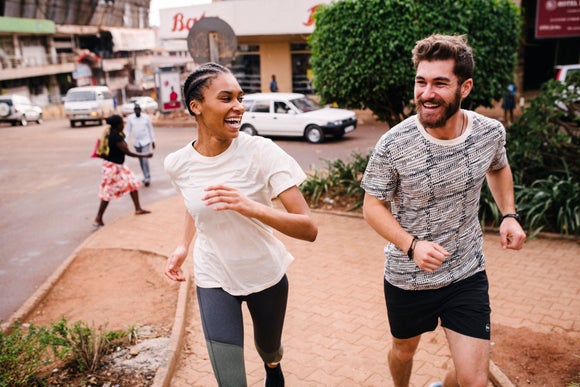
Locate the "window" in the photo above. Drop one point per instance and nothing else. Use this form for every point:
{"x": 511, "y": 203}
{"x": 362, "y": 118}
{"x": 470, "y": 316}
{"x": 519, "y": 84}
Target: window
{"x": 261, "y": 107}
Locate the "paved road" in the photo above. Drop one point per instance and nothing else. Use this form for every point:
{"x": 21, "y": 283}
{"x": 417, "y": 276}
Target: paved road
{"x": 49, "y": 185}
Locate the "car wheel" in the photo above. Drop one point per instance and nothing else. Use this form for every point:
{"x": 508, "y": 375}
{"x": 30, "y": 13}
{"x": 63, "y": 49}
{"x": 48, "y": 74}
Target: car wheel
{"x": 39, "y": 120}
{"x": 314, "y": 134}
{"x": 4, "y": 109}
{"x": 249, "y": 129}
{"x": 73, "y": 124}
{"x": 23, "y": 121}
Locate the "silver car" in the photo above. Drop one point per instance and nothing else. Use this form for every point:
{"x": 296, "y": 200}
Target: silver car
{"x": 19, "y": 110}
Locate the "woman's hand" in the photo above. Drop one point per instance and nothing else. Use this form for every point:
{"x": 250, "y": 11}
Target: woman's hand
{"x": 173, "y": 266}
{"x": 227, "y": 198}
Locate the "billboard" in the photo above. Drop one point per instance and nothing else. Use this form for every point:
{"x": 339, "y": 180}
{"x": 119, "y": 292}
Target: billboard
{"x": 558, "y": 19}
{"x": 169, "y": 91}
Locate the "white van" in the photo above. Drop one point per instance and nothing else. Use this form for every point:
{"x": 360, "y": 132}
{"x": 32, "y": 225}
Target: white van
{"x": 88, "y": 103}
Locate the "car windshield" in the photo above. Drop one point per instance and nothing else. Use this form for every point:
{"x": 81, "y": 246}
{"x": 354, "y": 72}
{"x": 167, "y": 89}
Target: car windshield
{"x": 305, "y": 104}
{"x": 78, "y": 96}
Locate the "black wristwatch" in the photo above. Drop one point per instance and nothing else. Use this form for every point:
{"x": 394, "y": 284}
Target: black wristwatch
{"x": 412, "y": 248}
{"x": 516, "y": 216}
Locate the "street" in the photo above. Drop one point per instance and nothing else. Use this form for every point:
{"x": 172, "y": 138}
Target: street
{"x": 49, "y": 192}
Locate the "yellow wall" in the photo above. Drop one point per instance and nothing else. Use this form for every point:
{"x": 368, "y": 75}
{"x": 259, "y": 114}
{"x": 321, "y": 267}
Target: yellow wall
{"x": 275, "y": 59}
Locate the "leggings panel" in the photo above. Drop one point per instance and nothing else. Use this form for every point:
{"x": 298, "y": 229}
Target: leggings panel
{"x": 223, "y": 327}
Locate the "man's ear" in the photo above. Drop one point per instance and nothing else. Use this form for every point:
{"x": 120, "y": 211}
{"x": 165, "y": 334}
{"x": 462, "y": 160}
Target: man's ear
{"x": 466, "y": 87}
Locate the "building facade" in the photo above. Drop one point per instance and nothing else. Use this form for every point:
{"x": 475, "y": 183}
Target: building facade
{"x": 271, "y": 37}
{"x": 48, "y": 47}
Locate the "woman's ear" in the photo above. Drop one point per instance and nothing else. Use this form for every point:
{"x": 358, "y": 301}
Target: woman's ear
{"x": 193, "y": 105}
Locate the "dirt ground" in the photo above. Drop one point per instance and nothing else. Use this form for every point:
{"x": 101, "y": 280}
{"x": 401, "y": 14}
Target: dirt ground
{"x": 124, "y": 288}
{"x": 117, "y": 290}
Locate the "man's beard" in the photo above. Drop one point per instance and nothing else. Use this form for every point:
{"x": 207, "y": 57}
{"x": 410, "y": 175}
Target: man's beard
{"x": 450, "y": 109}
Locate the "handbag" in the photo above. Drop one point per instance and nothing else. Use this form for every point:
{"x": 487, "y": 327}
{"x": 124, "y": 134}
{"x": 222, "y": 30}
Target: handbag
{"x": 102, "y": 145}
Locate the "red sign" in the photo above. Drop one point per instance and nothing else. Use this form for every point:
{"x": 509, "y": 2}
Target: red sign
{"x": 558, "y": 18}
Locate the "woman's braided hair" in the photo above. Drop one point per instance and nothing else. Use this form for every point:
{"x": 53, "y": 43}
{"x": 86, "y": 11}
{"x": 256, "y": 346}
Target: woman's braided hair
{"x": 198, "y": 80}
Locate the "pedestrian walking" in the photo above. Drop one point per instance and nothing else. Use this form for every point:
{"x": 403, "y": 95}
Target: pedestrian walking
{"x": 423, "y": 183}
{"x": 116, "y": 178}
{"x": 140, "y": 129}
{"x": 228, "y": 180}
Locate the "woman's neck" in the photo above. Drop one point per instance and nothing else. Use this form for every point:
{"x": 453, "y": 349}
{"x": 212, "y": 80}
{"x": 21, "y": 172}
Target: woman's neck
{"x": 211, "y": 146}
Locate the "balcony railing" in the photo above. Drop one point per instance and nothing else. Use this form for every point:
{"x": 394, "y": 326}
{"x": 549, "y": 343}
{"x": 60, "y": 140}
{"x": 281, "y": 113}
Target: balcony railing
{"x": 13, "y": 62}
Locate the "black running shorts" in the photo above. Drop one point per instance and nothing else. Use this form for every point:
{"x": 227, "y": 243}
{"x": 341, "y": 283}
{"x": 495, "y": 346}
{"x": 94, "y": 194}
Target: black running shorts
{"x": 462, "y": 306}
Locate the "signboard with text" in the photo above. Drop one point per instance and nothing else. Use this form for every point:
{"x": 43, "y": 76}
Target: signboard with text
{"x": 558, "y": 19}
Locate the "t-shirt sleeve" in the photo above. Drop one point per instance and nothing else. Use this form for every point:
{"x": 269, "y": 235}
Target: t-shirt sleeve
{"x": 500, "y": 158}
{"x": 282, "y": 170}
{"x": 380, "y": 178}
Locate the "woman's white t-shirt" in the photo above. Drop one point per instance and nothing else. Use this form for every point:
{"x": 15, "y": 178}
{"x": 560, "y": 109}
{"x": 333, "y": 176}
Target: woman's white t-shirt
{"x": 231, "y": 251}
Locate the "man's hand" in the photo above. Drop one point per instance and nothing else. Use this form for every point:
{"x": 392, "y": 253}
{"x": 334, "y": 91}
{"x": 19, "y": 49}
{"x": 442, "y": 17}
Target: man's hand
{"x": 429, "y": 255}
{"x": 512, "y": 235}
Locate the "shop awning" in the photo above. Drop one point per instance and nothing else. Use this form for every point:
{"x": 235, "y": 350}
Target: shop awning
{"x": 131, "y": 39}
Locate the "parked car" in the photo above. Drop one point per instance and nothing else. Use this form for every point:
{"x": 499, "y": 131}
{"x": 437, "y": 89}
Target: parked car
{"x": 294, "y": 114}
{"x": 564, "y": 71}
{"x": 88, "y": 103}
{"x": 148, "y": 105}
{"x": 563, "y": 74}
{"x": 19, "y": 110}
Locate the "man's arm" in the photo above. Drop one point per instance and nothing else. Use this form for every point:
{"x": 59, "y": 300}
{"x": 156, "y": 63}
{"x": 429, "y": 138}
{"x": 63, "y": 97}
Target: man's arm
{"x": 501, "y": 185}
{"x": 377, "y": 213}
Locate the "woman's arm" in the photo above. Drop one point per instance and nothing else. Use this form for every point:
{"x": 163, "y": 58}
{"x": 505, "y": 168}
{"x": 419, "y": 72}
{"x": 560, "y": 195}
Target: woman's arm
{"x": 176, "y": 259}
{"x": 295, "y": 222}
{"x": 122, "y": 145}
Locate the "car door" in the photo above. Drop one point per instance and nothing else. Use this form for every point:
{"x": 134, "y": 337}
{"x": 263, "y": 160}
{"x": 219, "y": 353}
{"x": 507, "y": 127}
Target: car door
{"x": 258, "y": 115}
{"x": 284, "y": 119}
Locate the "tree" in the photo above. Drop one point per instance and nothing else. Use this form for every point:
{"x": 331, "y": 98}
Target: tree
{"x": 361, "y": 49}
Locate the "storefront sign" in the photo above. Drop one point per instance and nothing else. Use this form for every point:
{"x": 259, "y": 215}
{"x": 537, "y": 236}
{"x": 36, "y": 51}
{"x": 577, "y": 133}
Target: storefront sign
{"x": 276, "y": 17}
{"x": 558, "y": 18}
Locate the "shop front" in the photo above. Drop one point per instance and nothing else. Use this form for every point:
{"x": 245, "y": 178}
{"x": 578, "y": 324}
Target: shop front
{"x": 271, "y": 34}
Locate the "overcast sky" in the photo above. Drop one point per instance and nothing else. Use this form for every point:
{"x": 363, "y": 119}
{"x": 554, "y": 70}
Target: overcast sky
{"x": 158, "y": 4}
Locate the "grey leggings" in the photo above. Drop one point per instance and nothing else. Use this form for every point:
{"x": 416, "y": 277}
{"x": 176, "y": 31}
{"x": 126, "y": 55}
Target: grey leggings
{"x": 223, "y": 327}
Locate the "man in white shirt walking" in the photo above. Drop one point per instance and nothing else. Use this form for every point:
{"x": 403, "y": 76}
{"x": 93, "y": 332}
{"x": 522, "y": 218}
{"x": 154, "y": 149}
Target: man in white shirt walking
{"x": 139, "y": 126}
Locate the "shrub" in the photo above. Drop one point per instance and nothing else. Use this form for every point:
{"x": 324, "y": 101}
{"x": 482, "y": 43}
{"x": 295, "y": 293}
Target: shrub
{"x": 23, "y": 351}
{"x": 339, "y": 181}
{"x": 83, "y": 345}
{"x": 545, "y": 139}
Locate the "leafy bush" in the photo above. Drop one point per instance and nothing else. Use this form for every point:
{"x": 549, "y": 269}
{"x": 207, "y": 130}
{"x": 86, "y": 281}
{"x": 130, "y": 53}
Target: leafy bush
{"x": 545, "y": 139}
{"x": 26, "y": 349}
{"x": 340, "y": 181}
{"x": 23, "y": 351}
{"x": 551, "y": 204}
{"x": 83, "y": 345}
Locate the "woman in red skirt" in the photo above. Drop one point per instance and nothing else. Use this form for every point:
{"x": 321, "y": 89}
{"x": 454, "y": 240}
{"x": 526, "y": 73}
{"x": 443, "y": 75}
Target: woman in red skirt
{"x": 117, "y": 179}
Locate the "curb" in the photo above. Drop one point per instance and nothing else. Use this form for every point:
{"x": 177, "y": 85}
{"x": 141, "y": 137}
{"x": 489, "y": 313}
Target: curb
{"x": 165, "y": 372}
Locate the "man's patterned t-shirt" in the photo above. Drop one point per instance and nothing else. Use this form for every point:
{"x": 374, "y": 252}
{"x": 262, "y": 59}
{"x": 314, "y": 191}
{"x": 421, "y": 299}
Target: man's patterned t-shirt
{"x": 433, "y": 187}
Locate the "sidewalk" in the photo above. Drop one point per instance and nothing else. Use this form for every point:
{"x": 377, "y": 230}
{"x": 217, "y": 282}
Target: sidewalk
{"x": 336, "y": 331}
